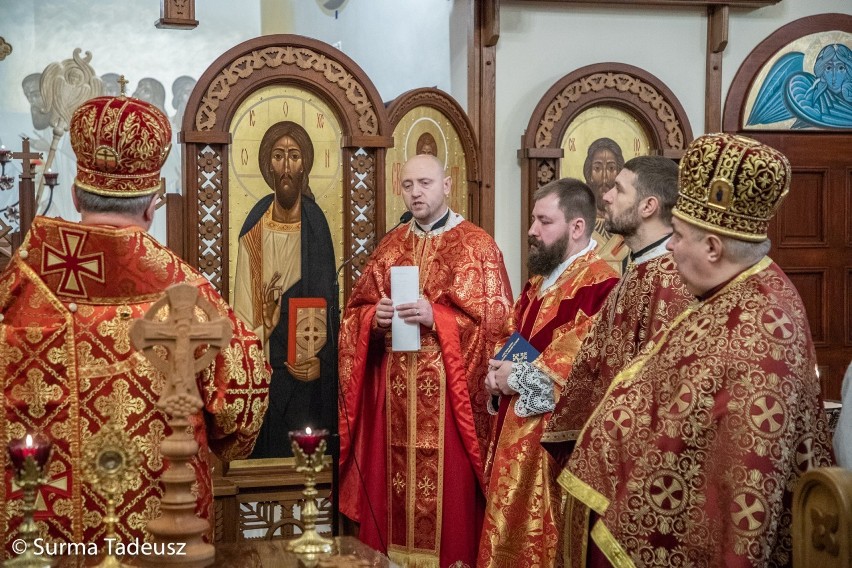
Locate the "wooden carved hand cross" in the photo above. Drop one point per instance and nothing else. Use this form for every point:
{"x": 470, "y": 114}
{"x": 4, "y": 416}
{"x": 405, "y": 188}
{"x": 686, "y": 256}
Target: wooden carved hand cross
{"x": 181, "y": 333}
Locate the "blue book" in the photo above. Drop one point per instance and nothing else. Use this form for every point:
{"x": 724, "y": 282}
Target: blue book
{"x": 517, "y": 349}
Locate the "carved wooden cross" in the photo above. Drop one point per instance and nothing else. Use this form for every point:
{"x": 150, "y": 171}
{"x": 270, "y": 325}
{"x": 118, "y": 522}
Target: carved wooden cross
{"x": 181, "y": 334}
{"x": 26, "y": 156}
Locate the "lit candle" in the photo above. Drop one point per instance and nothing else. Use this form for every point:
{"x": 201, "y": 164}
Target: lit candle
{"x": 5, "y": 155}
{"x": 308, "y": 439}
{"x": 50, "y": 177}
{"x": 19, "y": 450}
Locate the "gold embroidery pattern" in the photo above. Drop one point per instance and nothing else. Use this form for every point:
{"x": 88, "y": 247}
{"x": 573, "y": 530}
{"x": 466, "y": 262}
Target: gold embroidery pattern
{"x": 74, "y": 366}
{"x": 118, "y": 330}
{"x": 120, "y": 403}
{"x": 523, "y": 517}
{"x": 398, "y": 483}
{"x": 694, "y": 444}
{"x": 469, "y": 281}
{"x": 149, "y": 444}
{"x": 646, "y": 298}
{"x": 36, "y": 393}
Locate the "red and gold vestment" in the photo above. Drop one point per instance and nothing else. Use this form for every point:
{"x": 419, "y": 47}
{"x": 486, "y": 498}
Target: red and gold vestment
{"x": 68, "y": 299}
{"x": 692, "y": 457}
{"x": 523, "y": 514}
{"x": 646, "y": 299}
{"x": 415, "y": 423}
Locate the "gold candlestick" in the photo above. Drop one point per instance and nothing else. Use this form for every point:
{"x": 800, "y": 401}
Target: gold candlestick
{"x": 29, "y": 457}
{"x": 308, "y": 449}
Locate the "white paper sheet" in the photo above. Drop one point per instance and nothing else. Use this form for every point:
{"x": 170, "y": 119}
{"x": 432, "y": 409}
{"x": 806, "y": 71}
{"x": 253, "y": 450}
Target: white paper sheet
{"x": 405, "y": 289}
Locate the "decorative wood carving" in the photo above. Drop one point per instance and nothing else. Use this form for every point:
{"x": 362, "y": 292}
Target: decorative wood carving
{"x": 285, "y": 60}
{"x": 822, "y": 518}
{"x": 177, "y": 15}
{"x": 624, "y": 87}
{"x": 444, "y": 104}
{"x": 288, "y": 62}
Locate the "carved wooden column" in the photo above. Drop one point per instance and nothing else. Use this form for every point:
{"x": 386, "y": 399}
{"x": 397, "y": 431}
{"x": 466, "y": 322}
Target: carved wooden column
{"x": 717, "y": 41}
{"x": 482, "y": 96}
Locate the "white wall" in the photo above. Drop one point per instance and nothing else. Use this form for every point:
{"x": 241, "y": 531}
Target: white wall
{"x": 123, "y": 41}
{"x": 542, "y": 42}
{"x": 400, "y": 44}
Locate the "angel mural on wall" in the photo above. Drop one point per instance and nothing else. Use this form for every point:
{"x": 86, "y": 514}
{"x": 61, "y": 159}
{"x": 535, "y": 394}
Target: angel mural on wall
{"x": 822, "y": 99}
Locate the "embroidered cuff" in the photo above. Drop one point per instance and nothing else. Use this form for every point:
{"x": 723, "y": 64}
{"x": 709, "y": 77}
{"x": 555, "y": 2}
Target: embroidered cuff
{"x": 535, "y": 390}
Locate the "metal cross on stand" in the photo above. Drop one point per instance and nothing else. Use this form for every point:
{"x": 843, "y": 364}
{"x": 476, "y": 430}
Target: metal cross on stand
{"x": 182, "y": 335}
{"x": 26, "y": 188}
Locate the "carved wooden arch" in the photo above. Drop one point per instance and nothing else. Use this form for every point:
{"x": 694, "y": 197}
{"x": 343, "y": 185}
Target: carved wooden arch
{"x": 619, "y": 85}
{"x": 732, "y": 119}
{"x": 288, "y": 60}
{"x": 447, "y": 106}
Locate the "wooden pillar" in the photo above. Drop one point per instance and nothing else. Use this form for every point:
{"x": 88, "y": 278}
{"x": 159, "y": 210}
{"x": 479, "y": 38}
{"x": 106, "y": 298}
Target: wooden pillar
{"x": 482, "y": 97}
{"x": 717, "y": 41}
{"x": 26, "y": 190}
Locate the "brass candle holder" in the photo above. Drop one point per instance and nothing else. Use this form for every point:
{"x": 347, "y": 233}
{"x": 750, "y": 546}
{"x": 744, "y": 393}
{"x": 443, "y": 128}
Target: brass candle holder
{"x": 29, "y": 456}
{"x": 308, "y": 449}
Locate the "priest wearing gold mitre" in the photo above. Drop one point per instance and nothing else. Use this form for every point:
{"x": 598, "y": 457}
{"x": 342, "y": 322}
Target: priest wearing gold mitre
{"x": 693, "y": 455}
{"x": 67, "y": 301}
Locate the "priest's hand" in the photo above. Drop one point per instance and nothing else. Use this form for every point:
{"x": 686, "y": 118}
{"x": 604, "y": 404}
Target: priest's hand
{"x": 417, "y": 312}
{"x": 384, "y": 313}
{"x": 496, "y": 381}
{"x": 306, "y": 371}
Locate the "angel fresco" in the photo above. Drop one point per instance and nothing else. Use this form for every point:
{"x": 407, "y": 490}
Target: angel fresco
{"x": 822, "y": 99}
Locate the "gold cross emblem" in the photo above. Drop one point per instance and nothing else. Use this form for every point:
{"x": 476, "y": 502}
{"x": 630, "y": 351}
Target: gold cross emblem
{"x": 71, "y": 263}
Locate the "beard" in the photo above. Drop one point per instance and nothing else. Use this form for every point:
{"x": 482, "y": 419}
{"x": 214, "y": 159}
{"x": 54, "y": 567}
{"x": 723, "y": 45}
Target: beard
{"x": 288, "y": 188}
{"x": 625, "y": 224}
{"x": 544, "y": 258}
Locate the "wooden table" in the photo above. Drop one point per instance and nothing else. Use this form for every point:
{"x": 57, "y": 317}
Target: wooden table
{"x": 351, "y": 552}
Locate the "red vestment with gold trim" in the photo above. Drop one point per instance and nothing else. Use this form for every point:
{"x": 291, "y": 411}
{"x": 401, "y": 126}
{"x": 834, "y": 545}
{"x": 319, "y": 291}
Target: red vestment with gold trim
{"x": 523, "y": 515}
{"x": 693, "y": 455}
{"x": 68, "y": 299}
{"x": 647, "y": 298}
{"x": 416, "y": 422}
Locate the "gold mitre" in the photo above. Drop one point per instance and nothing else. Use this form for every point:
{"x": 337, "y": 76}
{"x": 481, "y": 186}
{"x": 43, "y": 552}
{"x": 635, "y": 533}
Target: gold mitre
{"x": 731, "y": 185}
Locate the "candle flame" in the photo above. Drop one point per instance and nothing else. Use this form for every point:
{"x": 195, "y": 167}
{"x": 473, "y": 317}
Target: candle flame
{"x": 308, "y": 430}
{"x": 29, "y": 441}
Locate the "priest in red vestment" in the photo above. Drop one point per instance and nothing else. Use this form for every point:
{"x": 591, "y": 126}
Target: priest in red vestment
{"x": 413, "y": 425}
{"x": 554, "y": 312}
{"x": 693, "y": 455}
{"x": 649, "y": 295}
{"x": 67, "y": 300}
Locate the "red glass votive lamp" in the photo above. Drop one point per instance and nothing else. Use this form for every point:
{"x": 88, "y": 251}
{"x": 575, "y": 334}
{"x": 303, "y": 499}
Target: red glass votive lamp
{"x": 308, "y": 439}
{"x": 30, "y": 445}
{"x": 51, "y": 178}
